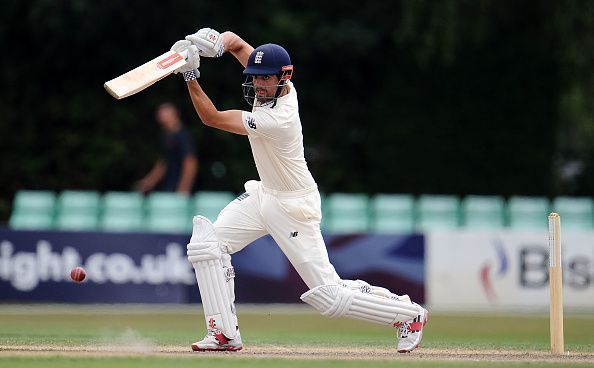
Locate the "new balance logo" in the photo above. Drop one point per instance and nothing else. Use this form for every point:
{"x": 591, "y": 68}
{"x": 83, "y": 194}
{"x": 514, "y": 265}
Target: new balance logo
{"x": 258, "y": 58}
{"x": 251, "y": 122}
{"x": 293, "y": 234}
{"x": 243, "y": 196}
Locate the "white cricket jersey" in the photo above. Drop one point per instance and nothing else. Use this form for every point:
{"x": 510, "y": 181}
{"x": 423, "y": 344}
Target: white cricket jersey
{"x": 277, "y": 144}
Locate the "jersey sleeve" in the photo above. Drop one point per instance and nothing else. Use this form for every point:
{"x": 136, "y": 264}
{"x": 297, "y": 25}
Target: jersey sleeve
{"x": 259, "y": 123}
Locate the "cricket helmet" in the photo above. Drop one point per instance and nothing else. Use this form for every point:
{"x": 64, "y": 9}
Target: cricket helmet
{"x": 268, "y": 59}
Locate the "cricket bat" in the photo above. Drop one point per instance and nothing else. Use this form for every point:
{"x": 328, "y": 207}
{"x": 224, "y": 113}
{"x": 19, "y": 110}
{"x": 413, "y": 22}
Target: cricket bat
{"x": 145, "y": 75}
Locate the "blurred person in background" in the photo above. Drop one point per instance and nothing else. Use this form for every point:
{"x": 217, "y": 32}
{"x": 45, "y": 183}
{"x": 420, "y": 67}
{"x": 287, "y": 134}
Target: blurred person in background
{"x": 176, "y": 169}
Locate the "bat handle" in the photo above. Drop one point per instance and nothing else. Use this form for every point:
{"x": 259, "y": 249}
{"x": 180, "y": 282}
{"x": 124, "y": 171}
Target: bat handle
{"x": 184, "y": 54}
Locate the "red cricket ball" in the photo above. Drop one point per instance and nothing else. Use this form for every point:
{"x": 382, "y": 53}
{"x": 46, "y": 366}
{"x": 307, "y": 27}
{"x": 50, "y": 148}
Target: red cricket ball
{"x": 78, "y": 274}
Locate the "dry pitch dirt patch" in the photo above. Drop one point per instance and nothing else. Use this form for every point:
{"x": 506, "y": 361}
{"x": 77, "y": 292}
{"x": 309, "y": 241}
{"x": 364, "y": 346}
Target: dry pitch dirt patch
{"x": 302, "y": 352}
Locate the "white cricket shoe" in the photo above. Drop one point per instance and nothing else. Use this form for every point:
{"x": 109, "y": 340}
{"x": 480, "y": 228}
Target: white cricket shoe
{"x": 411, "y": 332}
{"x": 216, "y": 341}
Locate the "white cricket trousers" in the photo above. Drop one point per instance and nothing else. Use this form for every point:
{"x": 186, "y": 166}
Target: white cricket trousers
{"x": 291, "y": 218}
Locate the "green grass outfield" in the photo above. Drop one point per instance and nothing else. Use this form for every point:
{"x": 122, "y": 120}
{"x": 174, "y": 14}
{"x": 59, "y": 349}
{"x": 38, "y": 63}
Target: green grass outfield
{"x": 276, "y": 336}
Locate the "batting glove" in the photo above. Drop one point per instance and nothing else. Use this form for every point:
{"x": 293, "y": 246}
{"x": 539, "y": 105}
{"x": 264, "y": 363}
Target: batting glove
{"x": 210, "y": 43}
{"x": 192, "y": 57}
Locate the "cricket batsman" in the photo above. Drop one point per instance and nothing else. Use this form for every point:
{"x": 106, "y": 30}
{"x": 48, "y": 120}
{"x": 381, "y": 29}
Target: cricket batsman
{"x": 284, "y": 203}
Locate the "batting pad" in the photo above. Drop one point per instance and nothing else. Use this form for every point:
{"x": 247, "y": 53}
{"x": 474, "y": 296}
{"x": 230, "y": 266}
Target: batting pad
{"x": 337, "y": 301}
{"x": 366, "y": 288}
{"x": 205, "y": 254}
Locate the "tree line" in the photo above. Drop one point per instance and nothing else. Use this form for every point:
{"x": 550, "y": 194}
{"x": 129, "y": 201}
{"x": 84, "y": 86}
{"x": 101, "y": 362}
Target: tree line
{"x": 455, "y": 96}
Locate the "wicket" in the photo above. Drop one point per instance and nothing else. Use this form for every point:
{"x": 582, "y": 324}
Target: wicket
{"x": 555, "y": 284}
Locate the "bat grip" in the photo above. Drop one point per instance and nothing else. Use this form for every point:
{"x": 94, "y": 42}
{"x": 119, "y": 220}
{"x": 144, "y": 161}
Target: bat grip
{"x": 184, "y": 54}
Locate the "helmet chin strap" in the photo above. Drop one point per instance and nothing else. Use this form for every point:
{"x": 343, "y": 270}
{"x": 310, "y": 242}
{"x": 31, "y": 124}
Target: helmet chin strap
{"x": 287, "y": 73}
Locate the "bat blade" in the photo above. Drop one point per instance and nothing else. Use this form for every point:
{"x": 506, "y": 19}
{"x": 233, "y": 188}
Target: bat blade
{"x": 145, "y": 75}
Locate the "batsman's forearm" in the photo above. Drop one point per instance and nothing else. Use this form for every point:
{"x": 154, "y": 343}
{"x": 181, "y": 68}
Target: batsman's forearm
{"x": 229, "y": 120}
{"x": 204, "y": 107}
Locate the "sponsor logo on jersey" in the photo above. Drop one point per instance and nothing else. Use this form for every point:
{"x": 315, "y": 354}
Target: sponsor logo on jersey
{"x": 293, "y": 234}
